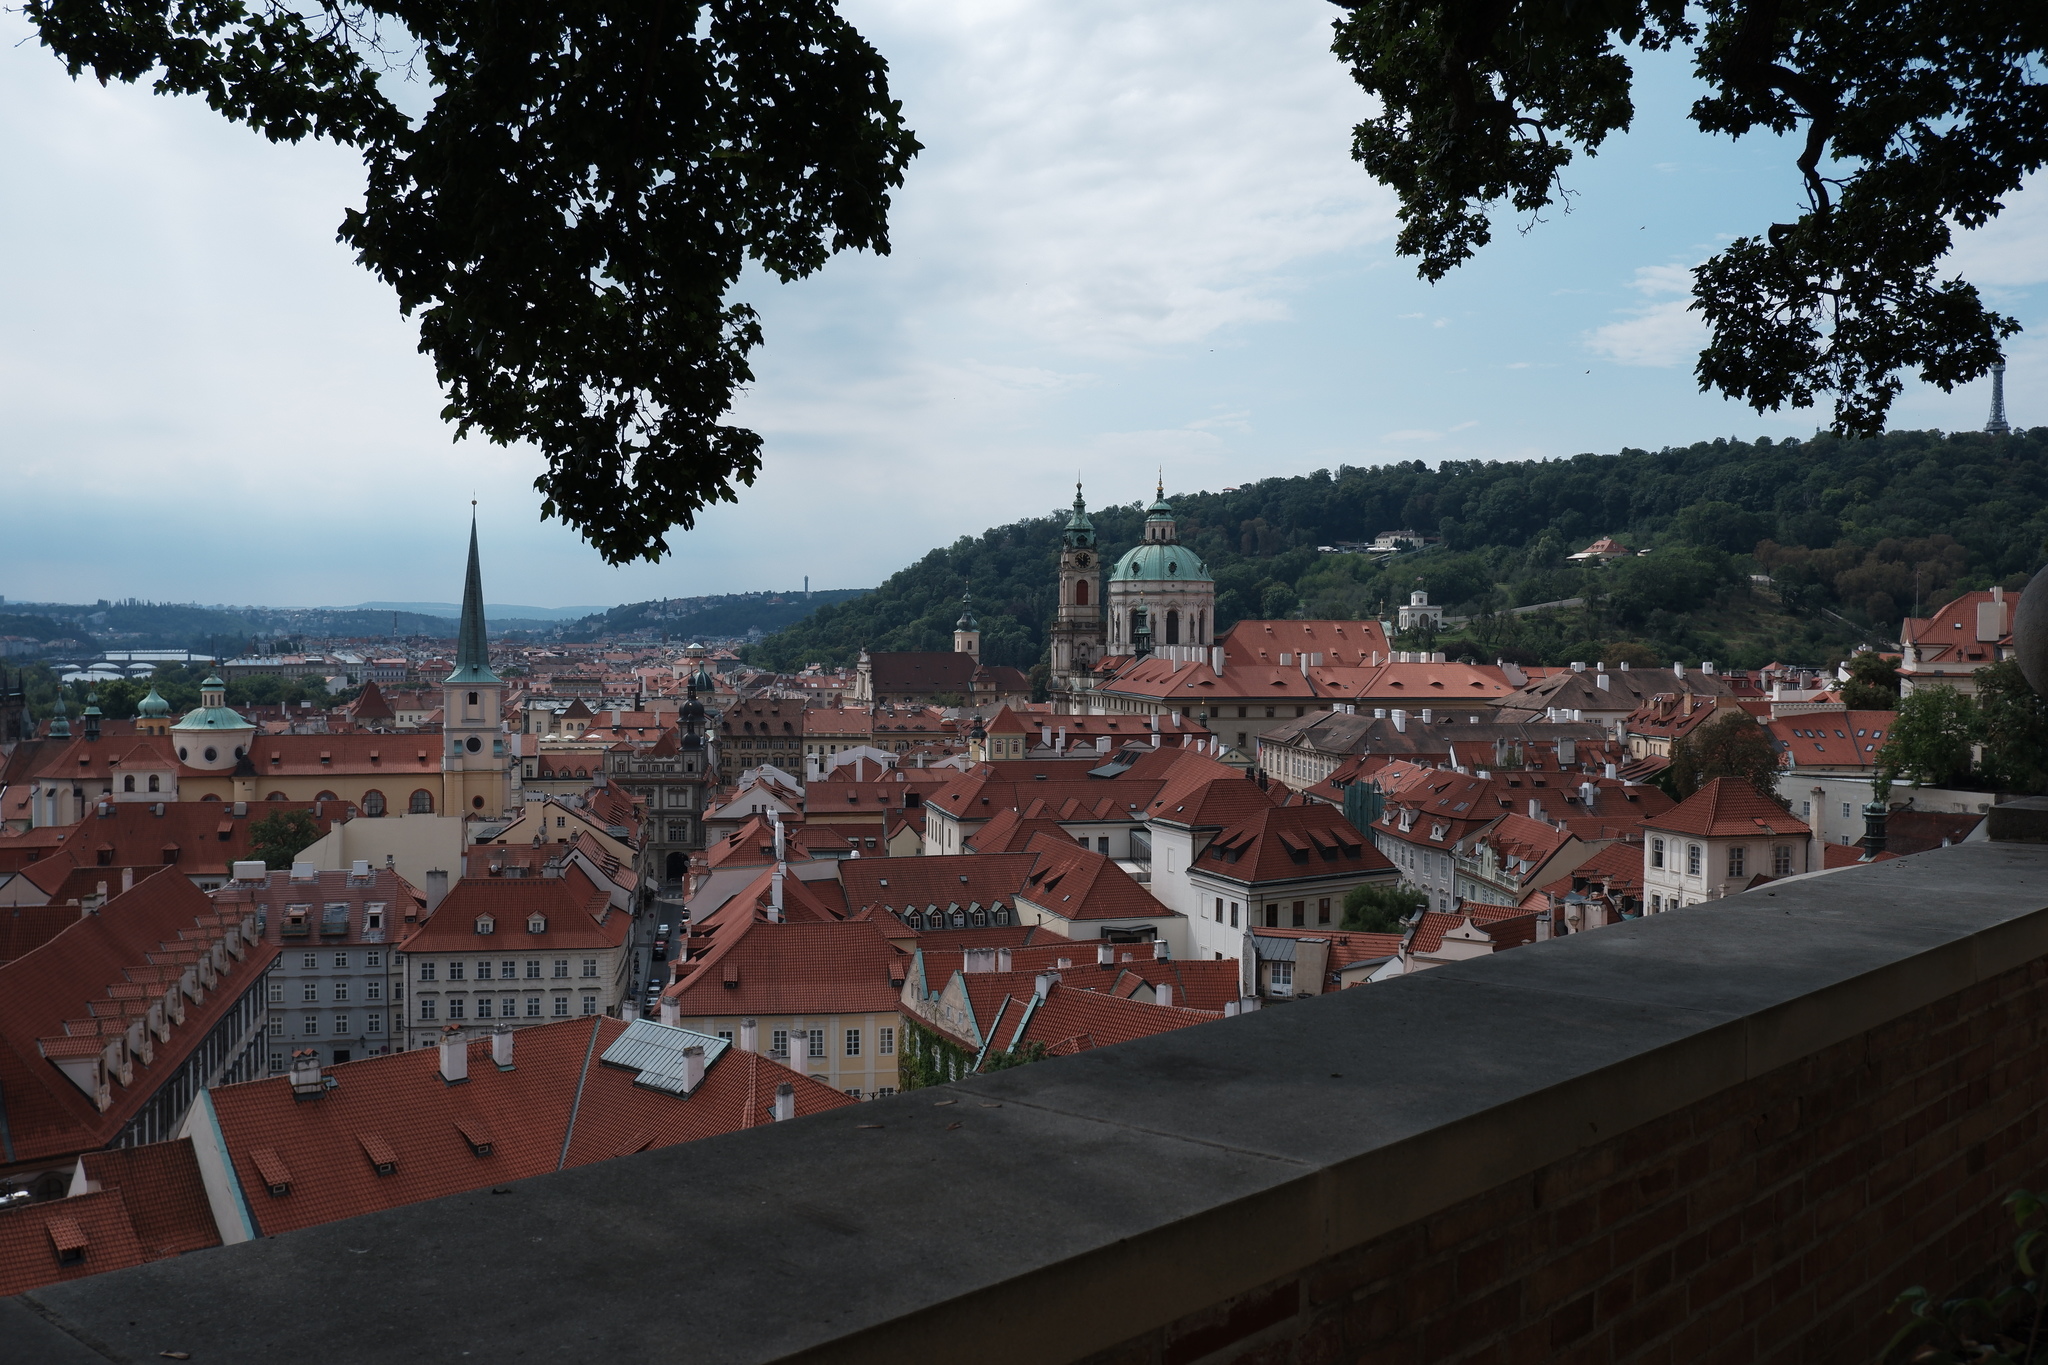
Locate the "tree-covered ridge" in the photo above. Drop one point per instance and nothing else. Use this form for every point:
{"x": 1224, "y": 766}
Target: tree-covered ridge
{"x": 1850, "y": 532}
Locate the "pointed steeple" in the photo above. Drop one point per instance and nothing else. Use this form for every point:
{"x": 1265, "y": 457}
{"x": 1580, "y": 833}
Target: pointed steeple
{"x": 472, "y": 651}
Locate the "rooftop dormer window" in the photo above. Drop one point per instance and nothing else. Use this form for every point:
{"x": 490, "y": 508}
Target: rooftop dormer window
{"x": 536, "y": 924}
{"x": 486, "y": 925}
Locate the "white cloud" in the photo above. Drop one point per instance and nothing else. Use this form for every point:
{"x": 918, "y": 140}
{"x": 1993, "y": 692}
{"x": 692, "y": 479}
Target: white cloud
{"x": 1413, "y": 435}
{"x": 1659, "y": 334}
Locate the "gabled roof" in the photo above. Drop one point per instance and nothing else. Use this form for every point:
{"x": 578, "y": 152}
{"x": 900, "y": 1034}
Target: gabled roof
{"x": 205, "y": 836}
{"x": 922, "y": 671}
{"x": 577, "y": 913}
{"x": 1069, "y": 1020}
{"x": 1728, "y": 807}
{"x": 399, "y": 1106}
{"x": 166, "y": 1198}
{"x": 1291, "y": 844}
{"x": 97, "y": 1228}
{"x": 793, "y": 968}
{"x": 1831, "y": 739}
{"x": 1080, "y": 884}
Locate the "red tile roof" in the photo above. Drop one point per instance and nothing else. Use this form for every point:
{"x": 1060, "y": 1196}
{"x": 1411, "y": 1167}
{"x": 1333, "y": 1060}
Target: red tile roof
{"x": 1070, "y": 1020}
{"x": 1831, "y": 739}
{"x": 577, "y": 913}
{"x": 96, "y": 1227}
{"x": 1727, "y": 807}
{"x": 792, "y": 968}
{"x": 199, "y": 838}
{"x": 27, "y": 927}
{"x": 1080, "y": 884}
{"x": 166, "y": 1197}
{"x": 893, "y": 885}
{"x": 1291, "y": 844}
{"x": 400, "y": 1105}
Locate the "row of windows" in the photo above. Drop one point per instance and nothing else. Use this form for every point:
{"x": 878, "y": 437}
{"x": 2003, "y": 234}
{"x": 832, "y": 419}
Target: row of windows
{"x": 309, "y": 991}
{"x": 309, "y": 1025}
{"x": 956, "y": 918}
{"x": 509, "y": 1007}
{"x": 1738, "y": 858}
{"x": 813, "y": 1043}
{"x": 508, "y": 970}
{"x": 311, "y": 961}
{"x": 128, "y": 783}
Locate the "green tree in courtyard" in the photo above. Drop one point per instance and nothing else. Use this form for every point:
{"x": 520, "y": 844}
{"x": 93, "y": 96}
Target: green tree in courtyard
{"x": 1873, "y": 683}
{"x": 282, "y": 835}
{"x": 2012, "y": 720}
{"x": 1732, "y": 744}
{"x": 1929, "y": 742}
{"x": 1381, "y": 909}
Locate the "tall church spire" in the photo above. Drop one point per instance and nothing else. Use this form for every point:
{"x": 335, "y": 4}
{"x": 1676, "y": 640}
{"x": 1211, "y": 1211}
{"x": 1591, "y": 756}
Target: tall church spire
{"x": 472, "y": 649}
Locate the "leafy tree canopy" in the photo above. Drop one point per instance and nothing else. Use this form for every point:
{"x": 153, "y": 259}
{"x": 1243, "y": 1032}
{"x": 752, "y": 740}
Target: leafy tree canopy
{"x": 1930, "y": 740}
{"x": 1873, "y": 683}
{"x": 569, "y": 215}
{"x": 1381, "y": 909}
{"x": 1733, "y": 744}
{"x": 1911, "y": 117}
{"x": 281, "y": 836}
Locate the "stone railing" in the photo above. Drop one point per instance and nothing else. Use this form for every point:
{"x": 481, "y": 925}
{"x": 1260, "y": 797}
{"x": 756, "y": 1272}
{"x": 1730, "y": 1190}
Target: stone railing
{"x": 1735, "y": 1131}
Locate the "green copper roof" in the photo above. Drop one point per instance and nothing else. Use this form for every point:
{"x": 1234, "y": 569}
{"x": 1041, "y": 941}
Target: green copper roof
{"x": 1161, "y": 563}
{"x": 472, "y": 652}
{"x": 213, "y": 718}
{"x": 154, "y": 704}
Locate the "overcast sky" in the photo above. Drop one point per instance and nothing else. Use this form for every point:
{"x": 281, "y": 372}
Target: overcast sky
{"x": 1135, "y": 238}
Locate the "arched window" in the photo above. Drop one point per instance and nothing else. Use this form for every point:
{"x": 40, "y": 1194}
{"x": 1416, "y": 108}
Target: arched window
{"x": 373, "y": 803}
{"x": 1173, "y": 626}
{"x": 958, "y": 919}
{"x": 277, "y": 796}
{"x": 1081, "y": 592}
{"x": 327, "y": 796}
{"x": 128, "y": 783}
{"x": 1195, "y": 635}
{"x": 154, "y": 782}
{"x": 980, "y": 918}
{"x": 422, "y": 802}
{"x": 1136, "y": 612}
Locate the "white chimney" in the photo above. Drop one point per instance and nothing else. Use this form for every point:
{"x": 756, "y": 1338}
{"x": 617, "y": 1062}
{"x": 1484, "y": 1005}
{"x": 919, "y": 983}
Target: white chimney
{"x": 1105, "y": 956}
{"x": 693, "y": 1069}
{"x": 501, "y": 1048}
{"x": 1623, "y": 665}
{"x": 750, "y": 1035}
{"x": 437, "y": 887}
{"x": 305, "y": 872}
{"x": 359, "y": 869}
{"x": 785, "y": 1102}
{"x": 671, "y": 1012}
{"x": 1003, "y": 960}
{"x": 1175, "y": 716}
{"x": 1678, "y": 669}
{"x": 1159, "y": 952}
{"x": 1230, "y": 1009}
{"x": 976, "y": 960}
{"x": 1046, "y": 981}
{"x": 1707, "y": 667}
{"x": 1578, "y": 667}
{"x": 1401, "y": 721}
{"x": 454, "y": 1058}
{"x": 251, "y": 870}
{"x": 1607, "y": 771}
{"x": 1587, "y": 794}
{"x": 1604, "y": 681}
{"x": 1535, "y": 809}
{"x": 305, "y": 1072}
{"x": 127, "y": 879}
{"x": 1543, "y": 924}
{"x": 1164, "y": 990}
{"x": 1379, "y": 713}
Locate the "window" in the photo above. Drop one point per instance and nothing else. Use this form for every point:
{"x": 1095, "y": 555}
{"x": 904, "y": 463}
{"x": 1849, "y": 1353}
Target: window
{"x": 1845, "y": 810}
{"x": 309, "y": 991}
{"x": 885, "y": 1090}
{"x": 817, "y": 1042}
{"x": 590, "y": 966}
{"x": 426, "y": 971}
{"x": 455, "y": 1008}
{"x": 1738, "y": 859}
{"x": 1283, "y": 978}
{"x": 561, "y": 1006}
{"x": 590, "y": 1004}
{"x": 373, "y": 959}
{"x": 373, "y": 990}
{"x": 1273, "y": 916}
{"x": 1323, "y": 910}
{"x": 507, "y": 971}
{"x": 277, "y": 1061}
{"x": 341, "y": 961}
{"x": 341, "y": 990}
{"x": 277, "y": 1028}
{"x": 427, "y": 1010}
{"x": 486, "y": 925}
{"x": 778, "y": 1043}
{"x": 507, "y": 1007}
{"x": 853, "y": 1042}
{"x": 1656, "y": 904}
{"x": 1656, "y": 853}
{"x": 155, "y": 783}
{"x": 533, "y": 1007}
{"x": 1692, "y": 860}
{"x": 373, "y": 803}
{"x": 1806, "y": 810}
{"x": 340, "y": 1025}
{"x": 374, "y": 1023}
{"x": 128, "y": 783}
{"x": 1219, "y": 909}
{"x": 561, "y": 968}
{"x": 311, "y": 962}
{"x": 455, "y": 971}
{"x": 1233, "y": 914}
{"x": 533, "y": 969}
{"x": 885, "y": 1041}
{"x": 422, "y": 802}
{"x": 310, "y": 1025}
{"x": 1300, "y": 920}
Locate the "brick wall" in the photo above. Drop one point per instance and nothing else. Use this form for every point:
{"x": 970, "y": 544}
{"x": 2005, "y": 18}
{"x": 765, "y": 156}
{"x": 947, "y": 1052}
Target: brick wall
{"x": 1774, "y": 1221}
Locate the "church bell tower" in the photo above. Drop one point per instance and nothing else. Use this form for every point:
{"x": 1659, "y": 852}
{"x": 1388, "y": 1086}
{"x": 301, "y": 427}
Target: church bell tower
{"x": 474, "y": 777}
{"x": 1077, "y": 631}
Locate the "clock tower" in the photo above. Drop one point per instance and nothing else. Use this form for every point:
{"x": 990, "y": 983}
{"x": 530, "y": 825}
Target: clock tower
{"x": 1077, "y": 633}
{"x": 474, "y": 778}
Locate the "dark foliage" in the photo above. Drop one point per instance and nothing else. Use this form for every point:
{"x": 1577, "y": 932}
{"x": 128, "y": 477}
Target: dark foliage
{"x": 1912, "y": 117}
{"x": 281, "y": 836}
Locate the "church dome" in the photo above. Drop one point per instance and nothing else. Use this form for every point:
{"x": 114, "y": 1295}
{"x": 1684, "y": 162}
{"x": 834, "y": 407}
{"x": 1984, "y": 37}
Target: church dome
{"x": 1157, "y": 562}
{"x": 154, "y": 704}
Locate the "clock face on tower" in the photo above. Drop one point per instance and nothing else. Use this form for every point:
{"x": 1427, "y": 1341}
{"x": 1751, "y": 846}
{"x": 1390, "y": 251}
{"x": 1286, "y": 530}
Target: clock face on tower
{"x": 1080, "y": 561}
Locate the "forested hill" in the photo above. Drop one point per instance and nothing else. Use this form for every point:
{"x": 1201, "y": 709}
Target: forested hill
{"x": 1849, "y": 531}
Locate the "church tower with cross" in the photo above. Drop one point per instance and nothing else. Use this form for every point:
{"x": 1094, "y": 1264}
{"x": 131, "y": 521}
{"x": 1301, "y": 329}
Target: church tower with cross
{"x": 474, "y": 763}
{"x": 1077, "y": 629}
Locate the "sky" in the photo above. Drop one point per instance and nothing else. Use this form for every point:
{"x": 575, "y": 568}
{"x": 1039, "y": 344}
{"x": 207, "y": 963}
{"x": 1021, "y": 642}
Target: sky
{"x": 1135, "y": 241}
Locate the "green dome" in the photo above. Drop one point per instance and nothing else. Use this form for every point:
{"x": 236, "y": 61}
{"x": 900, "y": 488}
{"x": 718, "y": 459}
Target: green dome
{"x": 154, "y": 704}
{"x": 1161, "y": 563}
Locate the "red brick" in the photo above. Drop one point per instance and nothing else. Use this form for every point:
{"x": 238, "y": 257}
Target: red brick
{"x": 1203, "y": 1334}
{"x": 1648, "y": 1321}
{"x": 1380, "y": 1259}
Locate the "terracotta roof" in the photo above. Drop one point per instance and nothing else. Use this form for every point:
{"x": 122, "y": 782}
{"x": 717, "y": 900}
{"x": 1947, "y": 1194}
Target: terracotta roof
{"x": 1949, "y": 636}
{"x": 1076, "y": 883}
{"x": 793, "y": 968}
{"x": 206, "y": 836}
{"x": 402, "y": 756}
{"x": 577, "y": 913}
{"x": 1010, "y": 830}
{"x": 1071, "y": 1020}
{"x": 1831, "y": 739}
{"x": 895, "y": 884}
{"x": 1339, "y": 642}
{"x": 1727, "y": 807}
{"x": 27, "y": 927}
{"x": 336, "y": 906}
{"x": 165, "y": 1196}
{"x": 1291, "y": 843}
{"x": 37, "y": 1239}
{"x": 428, "y": 1126}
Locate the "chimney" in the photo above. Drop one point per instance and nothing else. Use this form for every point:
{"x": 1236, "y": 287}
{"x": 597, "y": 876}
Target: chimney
{"x": 1678, "y": 669}
{"x": 1607, "y": 771}
{"x": 1105, "y": 956}
{"x": 977, "y": 960}
{"x": 1578, "y": 667}
{"x": 1046, "y": 981}
{"x": 454, "y": 1057}
{"x": 1428, "y": 716}
{"x": 1535, "y": 809}
{"x": 127, "y": 879}
{"x": 1003, "y": 960}
{"x": 1159, "y": 950}
{"x": 785, "y": 1102}
{"x": 437, "y": 887}
{"x": 1587, "y": 794}
{"x": 1164, "y": 990}
{"x": 1874, "y": 816}
{"x": 1604, "y": 681}
{"x": 671, "y": 1012}
{"x": 501, "y": 1048}
{"x": 249, "y": 870}
{"x": 1600, "y": 666}
{"x": 693, "y": 1069}
{"x": 750, "y": 1035}
{"x": 359, "y": 869}
{"x": 1543, "y": 919}
{"x": 305, "y": 1074}
{"x": 1401, "y": 721}
{"x": 1707, "y": 667}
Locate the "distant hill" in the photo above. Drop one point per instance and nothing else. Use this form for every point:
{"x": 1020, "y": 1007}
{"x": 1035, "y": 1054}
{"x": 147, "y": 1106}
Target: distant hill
{"x": 1851, "y": 533}
{"x": 453, "y": 611}
{"x": 726, "y": 616}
